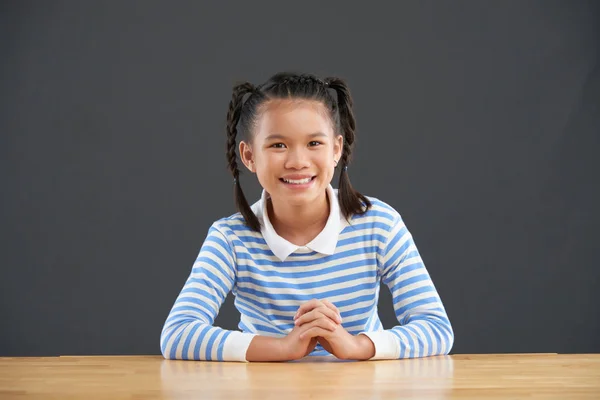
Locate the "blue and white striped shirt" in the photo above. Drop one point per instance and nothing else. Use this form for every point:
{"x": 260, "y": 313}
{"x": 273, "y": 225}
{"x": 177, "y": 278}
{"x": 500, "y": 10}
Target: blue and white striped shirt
{"x": 271, "y": 277}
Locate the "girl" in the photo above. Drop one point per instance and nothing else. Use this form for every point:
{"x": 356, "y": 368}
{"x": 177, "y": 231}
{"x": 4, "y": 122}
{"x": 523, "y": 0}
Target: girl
{"x": 304, "y": 262}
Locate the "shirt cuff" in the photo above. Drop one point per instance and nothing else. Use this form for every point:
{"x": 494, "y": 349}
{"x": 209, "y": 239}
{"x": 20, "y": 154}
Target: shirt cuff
{"x": 386, "y": 344}
{"x": 236, "y": 346}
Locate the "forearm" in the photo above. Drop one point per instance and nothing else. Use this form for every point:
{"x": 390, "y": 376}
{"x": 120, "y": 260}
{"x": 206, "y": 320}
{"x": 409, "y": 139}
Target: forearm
{"x": 426, "y": 335}
{"x": 421, "y": 337}
{"x": 265, "y": 348}
{"x": 197, "y": 340}
{"x": 184, "y": 340}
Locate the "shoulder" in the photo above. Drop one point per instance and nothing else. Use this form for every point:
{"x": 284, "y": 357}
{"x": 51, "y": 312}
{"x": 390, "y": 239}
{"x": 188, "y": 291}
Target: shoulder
{"x": 380, "y": 215}
{"x": 233, "y": 224}
{"x": 381, "y": 210}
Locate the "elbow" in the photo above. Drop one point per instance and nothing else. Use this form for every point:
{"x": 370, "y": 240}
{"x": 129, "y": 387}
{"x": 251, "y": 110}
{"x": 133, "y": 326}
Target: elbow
{"x": 163, "y": 347}
{"x": 449, "y": 339}
{"x": 444, "y": 335}
{"x": 164, "y": 353}
{"x": 166, "y": 349}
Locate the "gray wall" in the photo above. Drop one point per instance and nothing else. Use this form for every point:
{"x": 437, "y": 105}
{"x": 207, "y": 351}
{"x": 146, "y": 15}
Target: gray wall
{"x": 478, "y": 121}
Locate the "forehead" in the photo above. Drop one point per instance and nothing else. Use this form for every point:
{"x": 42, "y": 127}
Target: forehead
{"x": 293, "y": 117}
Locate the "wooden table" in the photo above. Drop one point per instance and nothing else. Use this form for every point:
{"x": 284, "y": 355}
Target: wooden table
{"x": 459, "y": 376}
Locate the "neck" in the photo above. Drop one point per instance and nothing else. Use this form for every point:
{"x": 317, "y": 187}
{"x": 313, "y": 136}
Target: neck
{"x": 299, "y": 224}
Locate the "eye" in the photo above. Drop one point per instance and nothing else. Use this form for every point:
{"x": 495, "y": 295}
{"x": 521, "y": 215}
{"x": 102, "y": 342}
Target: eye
{"x": 314, "y": 143}
{"x": 278, "y": 145}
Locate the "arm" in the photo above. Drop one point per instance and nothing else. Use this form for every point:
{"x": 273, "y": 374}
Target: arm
{"x": 424, "y": 328}
{"x": 188, "y": 332}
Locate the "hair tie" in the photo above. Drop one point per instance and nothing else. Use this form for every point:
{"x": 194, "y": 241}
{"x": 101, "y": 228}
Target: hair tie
{"x": 234, "y": 181}
{"x": 345, "y": 168}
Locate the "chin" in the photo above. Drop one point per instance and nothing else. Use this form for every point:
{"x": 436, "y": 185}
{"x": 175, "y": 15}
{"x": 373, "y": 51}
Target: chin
{"x": 301, "y": 196}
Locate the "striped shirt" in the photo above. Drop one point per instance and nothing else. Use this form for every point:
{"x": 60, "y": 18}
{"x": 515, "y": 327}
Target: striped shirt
{"x": 271, "y": 277}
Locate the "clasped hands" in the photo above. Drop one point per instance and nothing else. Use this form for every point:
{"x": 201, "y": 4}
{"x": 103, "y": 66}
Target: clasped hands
{"x": 319, "y": 321}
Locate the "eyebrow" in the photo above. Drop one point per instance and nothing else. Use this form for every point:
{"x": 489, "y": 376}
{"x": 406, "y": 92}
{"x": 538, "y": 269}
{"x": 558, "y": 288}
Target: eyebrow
{"x": 278, "y": 136}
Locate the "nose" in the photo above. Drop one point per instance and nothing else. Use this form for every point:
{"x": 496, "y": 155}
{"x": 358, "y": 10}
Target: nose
{"x": 297, "y": 159}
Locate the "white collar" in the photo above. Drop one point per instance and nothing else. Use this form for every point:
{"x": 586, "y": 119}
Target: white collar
{"x": 325, "y": 242}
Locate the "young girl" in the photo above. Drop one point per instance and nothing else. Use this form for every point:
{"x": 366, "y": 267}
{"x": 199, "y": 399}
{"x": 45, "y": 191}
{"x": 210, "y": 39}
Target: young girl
{"x": 304, "y": 262}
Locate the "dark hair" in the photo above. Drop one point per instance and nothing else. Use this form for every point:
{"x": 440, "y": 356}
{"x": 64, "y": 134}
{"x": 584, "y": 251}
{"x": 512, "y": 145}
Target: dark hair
{"x": 287, "y": 85}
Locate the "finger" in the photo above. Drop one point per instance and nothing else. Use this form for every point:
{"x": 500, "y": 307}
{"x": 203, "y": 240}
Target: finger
{"x": 315, "y": 332}
{"x": 319, "y": 312}
{"x": 310, "y": 316}
{"x": 325, "y": 324}
{"x": 332, "y": 307}
{"x": 308, "y": 306}
{"x": 331, "y": 311}
{"x": 315, "y": 303}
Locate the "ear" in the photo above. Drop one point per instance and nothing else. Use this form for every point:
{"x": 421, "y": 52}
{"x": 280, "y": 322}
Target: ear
{"x": 247, "y": 156}
{"x": 338, "y": 145}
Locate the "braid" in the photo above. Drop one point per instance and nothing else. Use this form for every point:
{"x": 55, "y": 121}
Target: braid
{"x": 351, "y": 201}
{"x": 233, "y": 117}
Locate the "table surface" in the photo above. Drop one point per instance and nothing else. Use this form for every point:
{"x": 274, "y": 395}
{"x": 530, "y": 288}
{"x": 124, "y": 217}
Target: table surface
{"x": 557, "y": 376}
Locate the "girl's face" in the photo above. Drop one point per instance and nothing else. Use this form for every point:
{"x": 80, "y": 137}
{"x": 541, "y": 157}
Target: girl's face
{"x": 293, "y": 150}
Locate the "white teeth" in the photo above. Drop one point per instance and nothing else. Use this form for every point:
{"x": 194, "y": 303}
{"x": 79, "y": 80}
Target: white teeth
{"x": 297, "y": 182}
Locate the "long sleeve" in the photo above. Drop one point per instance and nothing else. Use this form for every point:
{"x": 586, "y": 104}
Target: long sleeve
{"x": 424, "y": 328}
{"x": 188, "y": 333}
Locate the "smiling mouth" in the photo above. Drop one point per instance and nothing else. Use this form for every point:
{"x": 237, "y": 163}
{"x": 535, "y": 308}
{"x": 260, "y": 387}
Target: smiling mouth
{"x": 297, "y": 181}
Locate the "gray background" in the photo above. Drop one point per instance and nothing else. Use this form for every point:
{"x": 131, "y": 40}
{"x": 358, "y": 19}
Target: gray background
{"x": 478, "y": 121}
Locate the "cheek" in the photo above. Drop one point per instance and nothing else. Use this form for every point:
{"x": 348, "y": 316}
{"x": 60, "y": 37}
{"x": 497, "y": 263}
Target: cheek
{"x": 267, "y": 165}
{"x": 326, "y": 160}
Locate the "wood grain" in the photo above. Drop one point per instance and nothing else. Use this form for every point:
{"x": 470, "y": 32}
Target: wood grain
{"x": 515, "y": 376}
